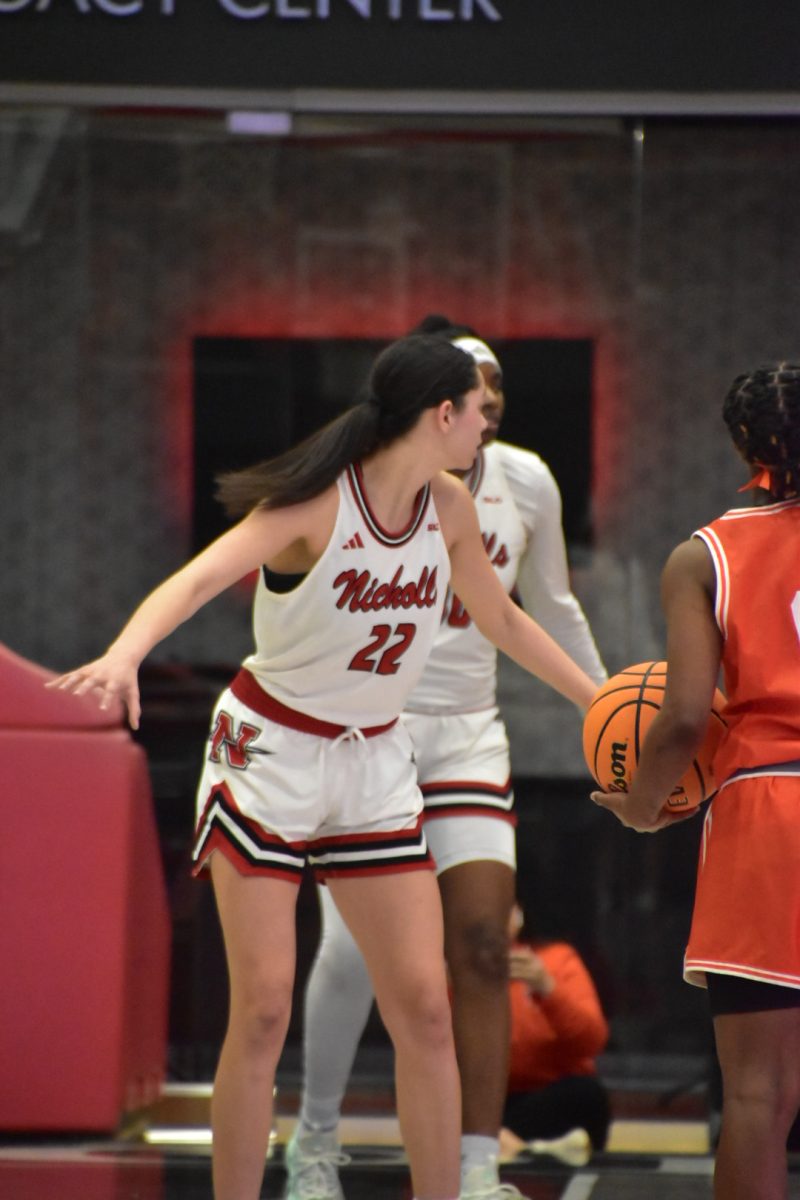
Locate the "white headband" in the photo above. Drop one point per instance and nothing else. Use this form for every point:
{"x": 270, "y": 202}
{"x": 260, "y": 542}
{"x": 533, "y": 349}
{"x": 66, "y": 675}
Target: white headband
{"x": 477, "y": 349}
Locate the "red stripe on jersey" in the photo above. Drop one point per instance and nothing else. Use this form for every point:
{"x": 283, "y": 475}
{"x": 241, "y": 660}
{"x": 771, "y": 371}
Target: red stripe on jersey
{"x": 355, "y": 479}
{"x": 247, "y": 689}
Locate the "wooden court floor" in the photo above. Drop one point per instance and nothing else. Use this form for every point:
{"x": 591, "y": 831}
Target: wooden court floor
{"x": 157, "y": 1160}
{"x": 119, "y": 1171}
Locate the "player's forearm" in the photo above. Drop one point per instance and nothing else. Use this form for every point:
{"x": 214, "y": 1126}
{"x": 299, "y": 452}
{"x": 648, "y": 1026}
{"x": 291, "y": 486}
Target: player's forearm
{"x": 667, "y": 754}
{"x": 527, "y": 643}
{"x": 566, "y": 622}
{"x": 172, "y": 603}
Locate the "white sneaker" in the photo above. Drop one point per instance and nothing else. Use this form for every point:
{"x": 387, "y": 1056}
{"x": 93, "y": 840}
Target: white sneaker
{"x": 312, "y": 1161}
{"x": 482, "y": 1183}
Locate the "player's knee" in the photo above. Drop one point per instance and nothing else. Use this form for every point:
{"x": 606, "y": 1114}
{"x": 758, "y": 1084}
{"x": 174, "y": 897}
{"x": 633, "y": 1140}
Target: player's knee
{"x": 421, "y": 1015}
{"x": 765, "y": 1100}
{"x": 479, "y": 951}
{"x": 260, "y": 1018}
{"x": 432, "y": 1022}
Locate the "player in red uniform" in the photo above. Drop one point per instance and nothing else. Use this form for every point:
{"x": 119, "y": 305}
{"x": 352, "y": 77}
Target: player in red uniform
{"x": 306, "y": 759}
{"x": 732, "y": 598}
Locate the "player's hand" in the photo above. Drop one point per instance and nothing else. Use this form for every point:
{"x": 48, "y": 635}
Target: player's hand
{"x": 635, "y": 813}
{"x": 107, "y": 679}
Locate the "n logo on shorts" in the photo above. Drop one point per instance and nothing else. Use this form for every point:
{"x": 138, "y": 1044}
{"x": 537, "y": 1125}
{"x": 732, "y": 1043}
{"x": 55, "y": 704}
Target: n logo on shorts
{"x": 234, "y": 742}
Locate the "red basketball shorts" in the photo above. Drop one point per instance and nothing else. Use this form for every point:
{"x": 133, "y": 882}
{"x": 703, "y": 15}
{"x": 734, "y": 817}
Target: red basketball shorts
{"x": 746, "y": 918}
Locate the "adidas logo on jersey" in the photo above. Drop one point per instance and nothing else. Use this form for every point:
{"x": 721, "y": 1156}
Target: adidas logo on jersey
{"x": 354, "y": 543}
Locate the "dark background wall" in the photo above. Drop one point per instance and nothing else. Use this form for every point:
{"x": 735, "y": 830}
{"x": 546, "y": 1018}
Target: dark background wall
{"x": 139, "y": 234}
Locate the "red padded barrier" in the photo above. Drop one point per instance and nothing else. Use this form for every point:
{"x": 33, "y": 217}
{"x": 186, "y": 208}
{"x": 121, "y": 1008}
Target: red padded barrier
{"x": 93, "y": 1179}
{"x": 25, "y": 703}
{"x": 85, "y": 930}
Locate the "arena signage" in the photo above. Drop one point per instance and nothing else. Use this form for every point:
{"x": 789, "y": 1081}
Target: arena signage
{"x": 483, "y": 56}
{"x": 287, "y": 10}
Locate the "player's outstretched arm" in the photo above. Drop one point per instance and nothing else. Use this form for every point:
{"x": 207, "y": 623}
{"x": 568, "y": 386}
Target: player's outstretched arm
{"x": 261, "y": 535}
{"x": 543, "y": 579}
{"x": 694, "y": 650}
{"x": 494, "y": 613}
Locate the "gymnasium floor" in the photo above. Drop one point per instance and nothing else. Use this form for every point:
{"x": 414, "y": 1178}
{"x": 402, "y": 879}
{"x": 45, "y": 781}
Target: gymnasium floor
{"x": 165, "y": 1155}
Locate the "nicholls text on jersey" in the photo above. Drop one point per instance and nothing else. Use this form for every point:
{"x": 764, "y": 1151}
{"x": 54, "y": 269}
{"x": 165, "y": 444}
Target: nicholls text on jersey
{"x": 363, "y": 592}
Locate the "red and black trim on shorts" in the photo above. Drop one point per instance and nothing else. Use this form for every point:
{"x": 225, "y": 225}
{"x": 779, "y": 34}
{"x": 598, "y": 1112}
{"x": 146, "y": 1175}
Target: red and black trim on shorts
{"x": 465, "y": 798}
{"x": 352, "y": 855}
{"x": 252, "y": 850}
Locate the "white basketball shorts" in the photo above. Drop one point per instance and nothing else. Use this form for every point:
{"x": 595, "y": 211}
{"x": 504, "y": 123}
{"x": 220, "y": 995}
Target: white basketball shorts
{"x": 272, "y": 796}
{"x": 465, "y": 776}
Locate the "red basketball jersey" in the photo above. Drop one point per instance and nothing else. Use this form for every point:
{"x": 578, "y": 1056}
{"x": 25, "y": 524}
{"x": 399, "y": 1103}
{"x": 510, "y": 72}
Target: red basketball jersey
{"x": 756, "y": 556}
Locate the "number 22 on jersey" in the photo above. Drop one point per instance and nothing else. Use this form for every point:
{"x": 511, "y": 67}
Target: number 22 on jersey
{"x": 379, "y": 655}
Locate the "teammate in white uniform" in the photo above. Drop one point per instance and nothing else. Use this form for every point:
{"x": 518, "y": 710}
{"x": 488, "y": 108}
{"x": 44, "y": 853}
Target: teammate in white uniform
{"x": 462, "y": 757}
{"x": 330, "y": 781}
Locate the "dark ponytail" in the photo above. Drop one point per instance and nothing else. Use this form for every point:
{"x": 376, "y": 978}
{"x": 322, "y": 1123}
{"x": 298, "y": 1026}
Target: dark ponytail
{"x": 762, "y": 412}
{"x": 413, "y": 374}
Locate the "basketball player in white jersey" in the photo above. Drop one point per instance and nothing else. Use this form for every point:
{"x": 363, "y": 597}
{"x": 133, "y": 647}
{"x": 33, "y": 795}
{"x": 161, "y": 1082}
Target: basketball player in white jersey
{"x": 306, "y": 759}
{"x": 462, "y": 756}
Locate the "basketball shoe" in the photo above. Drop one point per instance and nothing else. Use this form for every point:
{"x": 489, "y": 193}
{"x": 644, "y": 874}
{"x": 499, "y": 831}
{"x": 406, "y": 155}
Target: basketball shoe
{"x": 312, "y": 1160}
{"x": 482, "y": 1183}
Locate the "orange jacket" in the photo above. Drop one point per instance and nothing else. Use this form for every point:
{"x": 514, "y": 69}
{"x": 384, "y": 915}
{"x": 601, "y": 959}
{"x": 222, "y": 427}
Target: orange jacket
{"x": 556, "y": 1035}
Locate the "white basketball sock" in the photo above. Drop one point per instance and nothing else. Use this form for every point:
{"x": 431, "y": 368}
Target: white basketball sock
{"x": 337, "y": 1003}
{"x": 477, "y": 1150}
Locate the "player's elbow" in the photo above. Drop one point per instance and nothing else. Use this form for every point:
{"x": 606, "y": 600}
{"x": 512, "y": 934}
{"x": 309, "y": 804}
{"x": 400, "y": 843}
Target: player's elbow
{"x": 683, "y": 724}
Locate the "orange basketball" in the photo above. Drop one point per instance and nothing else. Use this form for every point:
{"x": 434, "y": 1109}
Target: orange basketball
{"x": 616, "y": 725}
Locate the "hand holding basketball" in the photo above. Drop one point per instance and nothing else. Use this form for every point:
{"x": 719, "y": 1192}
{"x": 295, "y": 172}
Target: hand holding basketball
{"x": 616, "y": 725}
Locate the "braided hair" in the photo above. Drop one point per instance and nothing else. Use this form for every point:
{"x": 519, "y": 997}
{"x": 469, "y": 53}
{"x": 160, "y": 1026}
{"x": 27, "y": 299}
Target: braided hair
{"x": 762, "y": 412}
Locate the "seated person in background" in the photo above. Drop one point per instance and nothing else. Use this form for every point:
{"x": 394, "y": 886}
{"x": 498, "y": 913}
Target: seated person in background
{"x": 557, "y": 1029}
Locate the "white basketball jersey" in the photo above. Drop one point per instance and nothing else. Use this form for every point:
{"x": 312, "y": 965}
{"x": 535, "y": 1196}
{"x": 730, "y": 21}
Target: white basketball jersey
{"x": 349, "y": 643}
{"x": 519, "y": 511}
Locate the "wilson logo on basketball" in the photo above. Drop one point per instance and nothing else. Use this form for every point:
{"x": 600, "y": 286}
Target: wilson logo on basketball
{"x": 619, "y": 758}
{"x": 362, "y": 592}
